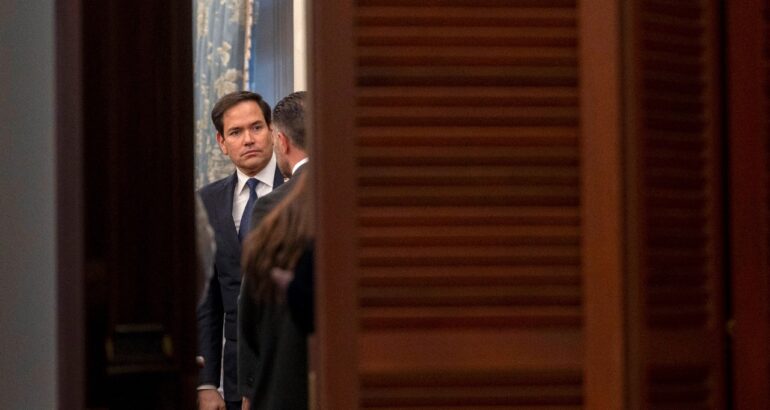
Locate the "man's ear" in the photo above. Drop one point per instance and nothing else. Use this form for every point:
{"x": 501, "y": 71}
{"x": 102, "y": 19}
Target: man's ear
{"x": 221, "y": 142}
{"x": 284, "y": 140}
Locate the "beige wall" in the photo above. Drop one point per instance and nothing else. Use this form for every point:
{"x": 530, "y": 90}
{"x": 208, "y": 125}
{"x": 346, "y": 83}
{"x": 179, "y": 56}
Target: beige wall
{"x": 300, "y": 46}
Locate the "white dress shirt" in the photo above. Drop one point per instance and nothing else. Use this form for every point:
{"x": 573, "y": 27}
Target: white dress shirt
{"x": 266, "y": 177}
{"x": 299, "y": 163}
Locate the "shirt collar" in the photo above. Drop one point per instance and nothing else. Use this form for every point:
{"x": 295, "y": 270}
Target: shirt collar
{"x": 300, "y": 163}
{"x": 266, "y": 175}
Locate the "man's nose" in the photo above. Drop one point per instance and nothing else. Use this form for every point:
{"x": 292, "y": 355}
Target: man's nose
{"x": 250, "y": 137}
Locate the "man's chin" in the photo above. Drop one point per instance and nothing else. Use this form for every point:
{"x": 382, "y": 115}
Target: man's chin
{"x": 254, "y": 165}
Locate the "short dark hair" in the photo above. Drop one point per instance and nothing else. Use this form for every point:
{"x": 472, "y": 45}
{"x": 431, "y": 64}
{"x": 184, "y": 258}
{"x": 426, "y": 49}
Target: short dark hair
{"x": 233, "y": 99}
{"x": 289, "y": 113}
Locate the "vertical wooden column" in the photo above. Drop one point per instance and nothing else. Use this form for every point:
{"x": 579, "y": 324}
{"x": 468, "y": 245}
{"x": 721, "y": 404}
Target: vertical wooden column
{"x": 748, "y": 84}
{"x": 603, "y": 214}
{"x": 331, "y": 79}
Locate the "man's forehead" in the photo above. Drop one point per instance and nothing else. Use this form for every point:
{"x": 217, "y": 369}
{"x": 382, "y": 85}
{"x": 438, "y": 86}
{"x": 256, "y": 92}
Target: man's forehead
{"x": 247, "y": 114}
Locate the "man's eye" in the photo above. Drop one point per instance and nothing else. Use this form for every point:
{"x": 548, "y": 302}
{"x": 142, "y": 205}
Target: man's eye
{"x": 256, "y": 127}
{"x": 234, "y": 133}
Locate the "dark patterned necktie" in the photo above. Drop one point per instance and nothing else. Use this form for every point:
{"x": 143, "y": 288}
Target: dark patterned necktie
{"x": 243, "y": 230}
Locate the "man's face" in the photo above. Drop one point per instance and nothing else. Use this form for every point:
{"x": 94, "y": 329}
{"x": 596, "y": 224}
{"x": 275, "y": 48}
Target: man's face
{"x": 280, "y": 146}
{"x": 246, "y": 138}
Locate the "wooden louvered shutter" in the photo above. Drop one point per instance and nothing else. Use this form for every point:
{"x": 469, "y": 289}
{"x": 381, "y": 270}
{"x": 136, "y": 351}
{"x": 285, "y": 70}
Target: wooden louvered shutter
{"x": 465, "y": 204}
{"x": 675, "y": 236}
{"x": 512, "y": 211}
{"x": 748, "y": 36}
{"x": 468, "y": 200}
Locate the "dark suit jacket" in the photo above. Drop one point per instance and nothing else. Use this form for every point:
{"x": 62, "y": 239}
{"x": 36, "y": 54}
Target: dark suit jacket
{"x": 280, "y": 373}
{"x": 300, "y": 296}
{"x": 266, "y": 203}
{"x": 259, "y": 325}
{"x": 218, "y": 309}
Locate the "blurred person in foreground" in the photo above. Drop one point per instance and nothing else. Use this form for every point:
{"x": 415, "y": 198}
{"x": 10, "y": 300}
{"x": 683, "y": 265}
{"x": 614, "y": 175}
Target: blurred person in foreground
{"x": 282, "y": 243}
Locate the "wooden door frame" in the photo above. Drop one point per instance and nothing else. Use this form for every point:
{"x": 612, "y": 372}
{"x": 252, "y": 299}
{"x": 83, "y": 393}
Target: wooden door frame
{"x": 70, "y": 332}
{"x": 72, "y": 53}
{"x": 331, "y": 80}
{"x": 605, "y": 359}
{"x": 748, "y": 184}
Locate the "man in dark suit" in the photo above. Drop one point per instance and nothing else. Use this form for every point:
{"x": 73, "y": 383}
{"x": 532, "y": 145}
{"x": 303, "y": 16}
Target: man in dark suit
{"x": 242, "y": 121}
{"x": 290, "y": 145}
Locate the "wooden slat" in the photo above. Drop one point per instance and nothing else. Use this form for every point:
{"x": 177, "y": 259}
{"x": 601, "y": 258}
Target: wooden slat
{"x": 509, "y": 317}
{"x": 465, "y": 17}
{"x": 390, "y": 56}
{"x": 466, "y": 136}
{"x": 467, "y": 96}
{"x": 454, "y": 176}
{"x": 467, "y": 156}
{"x": 469, "y": 275}
{"x": 460, "y": 235}
{"x": 467, "y": 36}
{"x": 471, "y": 216}
{"x": 492, "y": 116}
{"x": 464, "y": 76}
{"x": 466, "y": 352}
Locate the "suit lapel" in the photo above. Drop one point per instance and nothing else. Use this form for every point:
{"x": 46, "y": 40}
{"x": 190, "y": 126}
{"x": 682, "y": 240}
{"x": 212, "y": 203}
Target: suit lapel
{"x": 224, "y": 207}
{"x": 278, "y": 180}
{"x": 224, "y": 202}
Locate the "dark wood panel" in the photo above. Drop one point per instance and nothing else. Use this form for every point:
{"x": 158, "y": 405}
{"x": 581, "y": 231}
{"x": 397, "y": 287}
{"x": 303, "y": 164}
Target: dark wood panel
{"x": 748, "y": 23}
{"x": 138, "y": 198}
